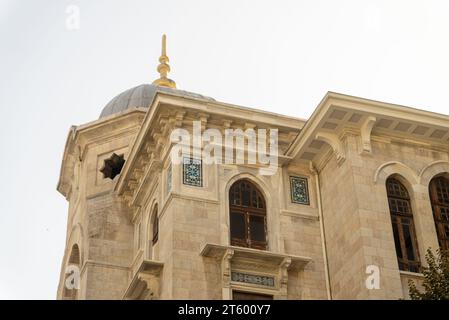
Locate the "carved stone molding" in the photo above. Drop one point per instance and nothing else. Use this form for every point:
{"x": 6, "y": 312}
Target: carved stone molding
{"x": 145, "y": 284}
{"x": 365, "y": 133}
{"x": 254, "y": 269}
{"x": 335, "y": 143}
{"x": 203, "y": 117}
{"x": 226, "y": 267}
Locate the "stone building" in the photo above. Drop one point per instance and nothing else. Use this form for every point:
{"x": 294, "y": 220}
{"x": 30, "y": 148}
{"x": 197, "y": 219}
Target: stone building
{"x": 359, "y": 190}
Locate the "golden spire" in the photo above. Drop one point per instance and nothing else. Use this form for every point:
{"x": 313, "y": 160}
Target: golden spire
{"x": 163, "y": 68}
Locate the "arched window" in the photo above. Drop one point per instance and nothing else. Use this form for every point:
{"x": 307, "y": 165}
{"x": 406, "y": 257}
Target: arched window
{"x": 248, "y": 215}
{"x": 75, "y": 255}
{"x": 70, "y": 291}
{"x": 403, "y": 227}
{"x": 155, "y": 225}
{"x": 439, "y": 196}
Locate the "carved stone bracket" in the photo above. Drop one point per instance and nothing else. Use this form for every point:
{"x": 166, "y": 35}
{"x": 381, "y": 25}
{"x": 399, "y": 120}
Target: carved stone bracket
{"x": 203, "y": 117}
{"x": 335, "y": 143}
{"x": 254, "y": 270}
{"x": 226, "y": 267}
{"x": 226, "y": 124}
{"x": 365, "y": 133}
{"x": 145, "y": 284}
{"x": 285, "y": 265}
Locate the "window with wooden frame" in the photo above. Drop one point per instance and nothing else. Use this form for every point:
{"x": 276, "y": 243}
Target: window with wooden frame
{"x": 403, "y": 226}
{"x": 248, "y": 215}
{"x": 439, "y": 197}
{"x": 155, "y": 226}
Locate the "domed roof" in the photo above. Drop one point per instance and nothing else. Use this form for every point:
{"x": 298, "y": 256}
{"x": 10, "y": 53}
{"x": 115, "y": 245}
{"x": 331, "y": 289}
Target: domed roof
{"x": 142, "y": 97}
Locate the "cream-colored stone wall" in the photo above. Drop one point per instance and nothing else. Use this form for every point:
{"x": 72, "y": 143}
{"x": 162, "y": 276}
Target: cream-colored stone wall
{"x": 342, "y": 230}
{"x": 99, "y": 221}
{"x": 110, "y": 242}
{"x": 356, "y": 214}
{"x": 345, "y": 228}
{"x": 194, "y": 216}
{"x": 194, "y": 224}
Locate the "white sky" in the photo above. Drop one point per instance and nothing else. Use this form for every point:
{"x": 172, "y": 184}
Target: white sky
{"x": 279, "y": 56}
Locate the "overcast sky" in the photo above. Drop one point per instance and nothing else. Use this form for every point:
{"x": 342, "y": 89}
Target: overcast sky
{"x": 279, "y": 56}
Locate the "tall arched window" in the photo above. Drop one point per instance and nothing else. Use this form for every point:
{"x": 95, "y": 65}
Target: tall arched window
{"x": 155, "y": 224}
{"x": 248, "y": 215}
{"x": 439, "y": 196}
{"x": 403, "y": 227}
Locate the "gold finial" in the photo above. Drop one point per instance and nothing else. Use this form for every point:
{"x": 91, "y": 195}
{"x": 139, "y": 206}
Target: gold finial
{"x": 163, "y": 68}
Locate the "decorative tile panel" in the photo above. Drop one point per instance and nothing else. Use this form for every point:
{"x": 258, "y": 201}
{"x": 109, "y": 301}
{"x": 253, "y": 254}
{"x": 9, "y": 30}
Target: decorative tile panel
{"x": 299, "y": 190}
{"x": 252, "y": 279}
{"x": 192, "y": 172}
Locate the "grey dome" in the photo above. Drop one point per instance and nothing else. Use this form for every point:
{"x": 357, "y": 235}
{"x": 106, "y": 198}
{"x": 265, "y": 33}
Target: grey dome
{"x": 142, "y": 97}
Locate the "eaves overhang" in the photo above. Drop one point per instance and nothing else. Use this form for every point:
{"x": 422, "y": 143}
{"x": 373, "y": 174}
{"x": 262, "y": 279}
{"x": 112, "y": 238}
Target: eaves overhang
{"x": 338, "y": 113}
{"x": 202, "y": 107}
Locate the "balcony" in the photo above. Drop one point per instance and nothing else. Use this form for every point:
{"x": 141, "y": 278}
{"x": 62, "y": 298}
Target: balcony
{"x": 254, "y": 270}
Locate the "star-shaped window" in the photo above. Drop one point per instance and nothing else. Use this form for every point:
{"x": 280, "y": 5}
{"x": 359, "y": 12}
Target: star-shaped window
{"x": 112, "y": 166}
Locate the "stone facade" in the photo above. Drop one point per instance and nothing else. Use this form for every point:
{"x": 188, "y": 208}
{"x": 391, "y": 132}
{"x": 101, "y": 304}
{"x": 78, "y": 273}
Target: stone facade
{"x": 319, "y": 249}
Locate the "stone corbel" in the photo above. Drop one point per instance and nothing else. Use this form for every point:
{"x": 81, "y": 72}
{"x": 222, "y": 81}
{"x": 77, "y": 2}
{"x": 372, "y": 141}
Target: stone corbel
{"x": 283, "y": 277}
{"x": 179, "y": 117}
{"x": 172, "y": 125}
{"x": 145, "y": 285}
{"x": 160, "y": 141}
{"x": 226, "y": 274}
{"x": 226, "y": 124}
{"x": 203, "y": 118}
{"x": 142, "y": 160}
{"x": 226, "y": 268}
{"x": 151, "y": 290}
{"x": 164, "y": 124}
{"x": 132, "y": 184}
{"x": 335, "y": 143}
{"x": 365, "y": 133}
{"x": 150, "y": 148}
{"x": 137, "y": 173}
{"x": 249, "y": 125}
{"x": 128, "y": 196}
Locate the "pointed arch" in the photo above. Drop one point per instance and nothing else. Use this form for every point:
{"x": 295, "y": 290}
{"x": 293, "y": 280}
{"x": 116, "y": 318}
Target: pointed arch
{"x": 247, "y": 215}
{"x": 259, "y": 181}
{"x": 76, "y": 237}
{"x": 75, "y": 256}
{"x": 72, "y": 274}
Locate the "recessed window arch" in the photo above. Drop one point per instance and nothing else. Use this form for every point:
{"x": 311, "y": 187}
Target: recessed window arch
{"x": 248, "y": 215}
{"x": 70, "y": 292}
{"x": 439, "y": 197}
{"x": 403, "y": 226}
{"x": 75, "y": 257}
{"x": 154, "y": 226}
